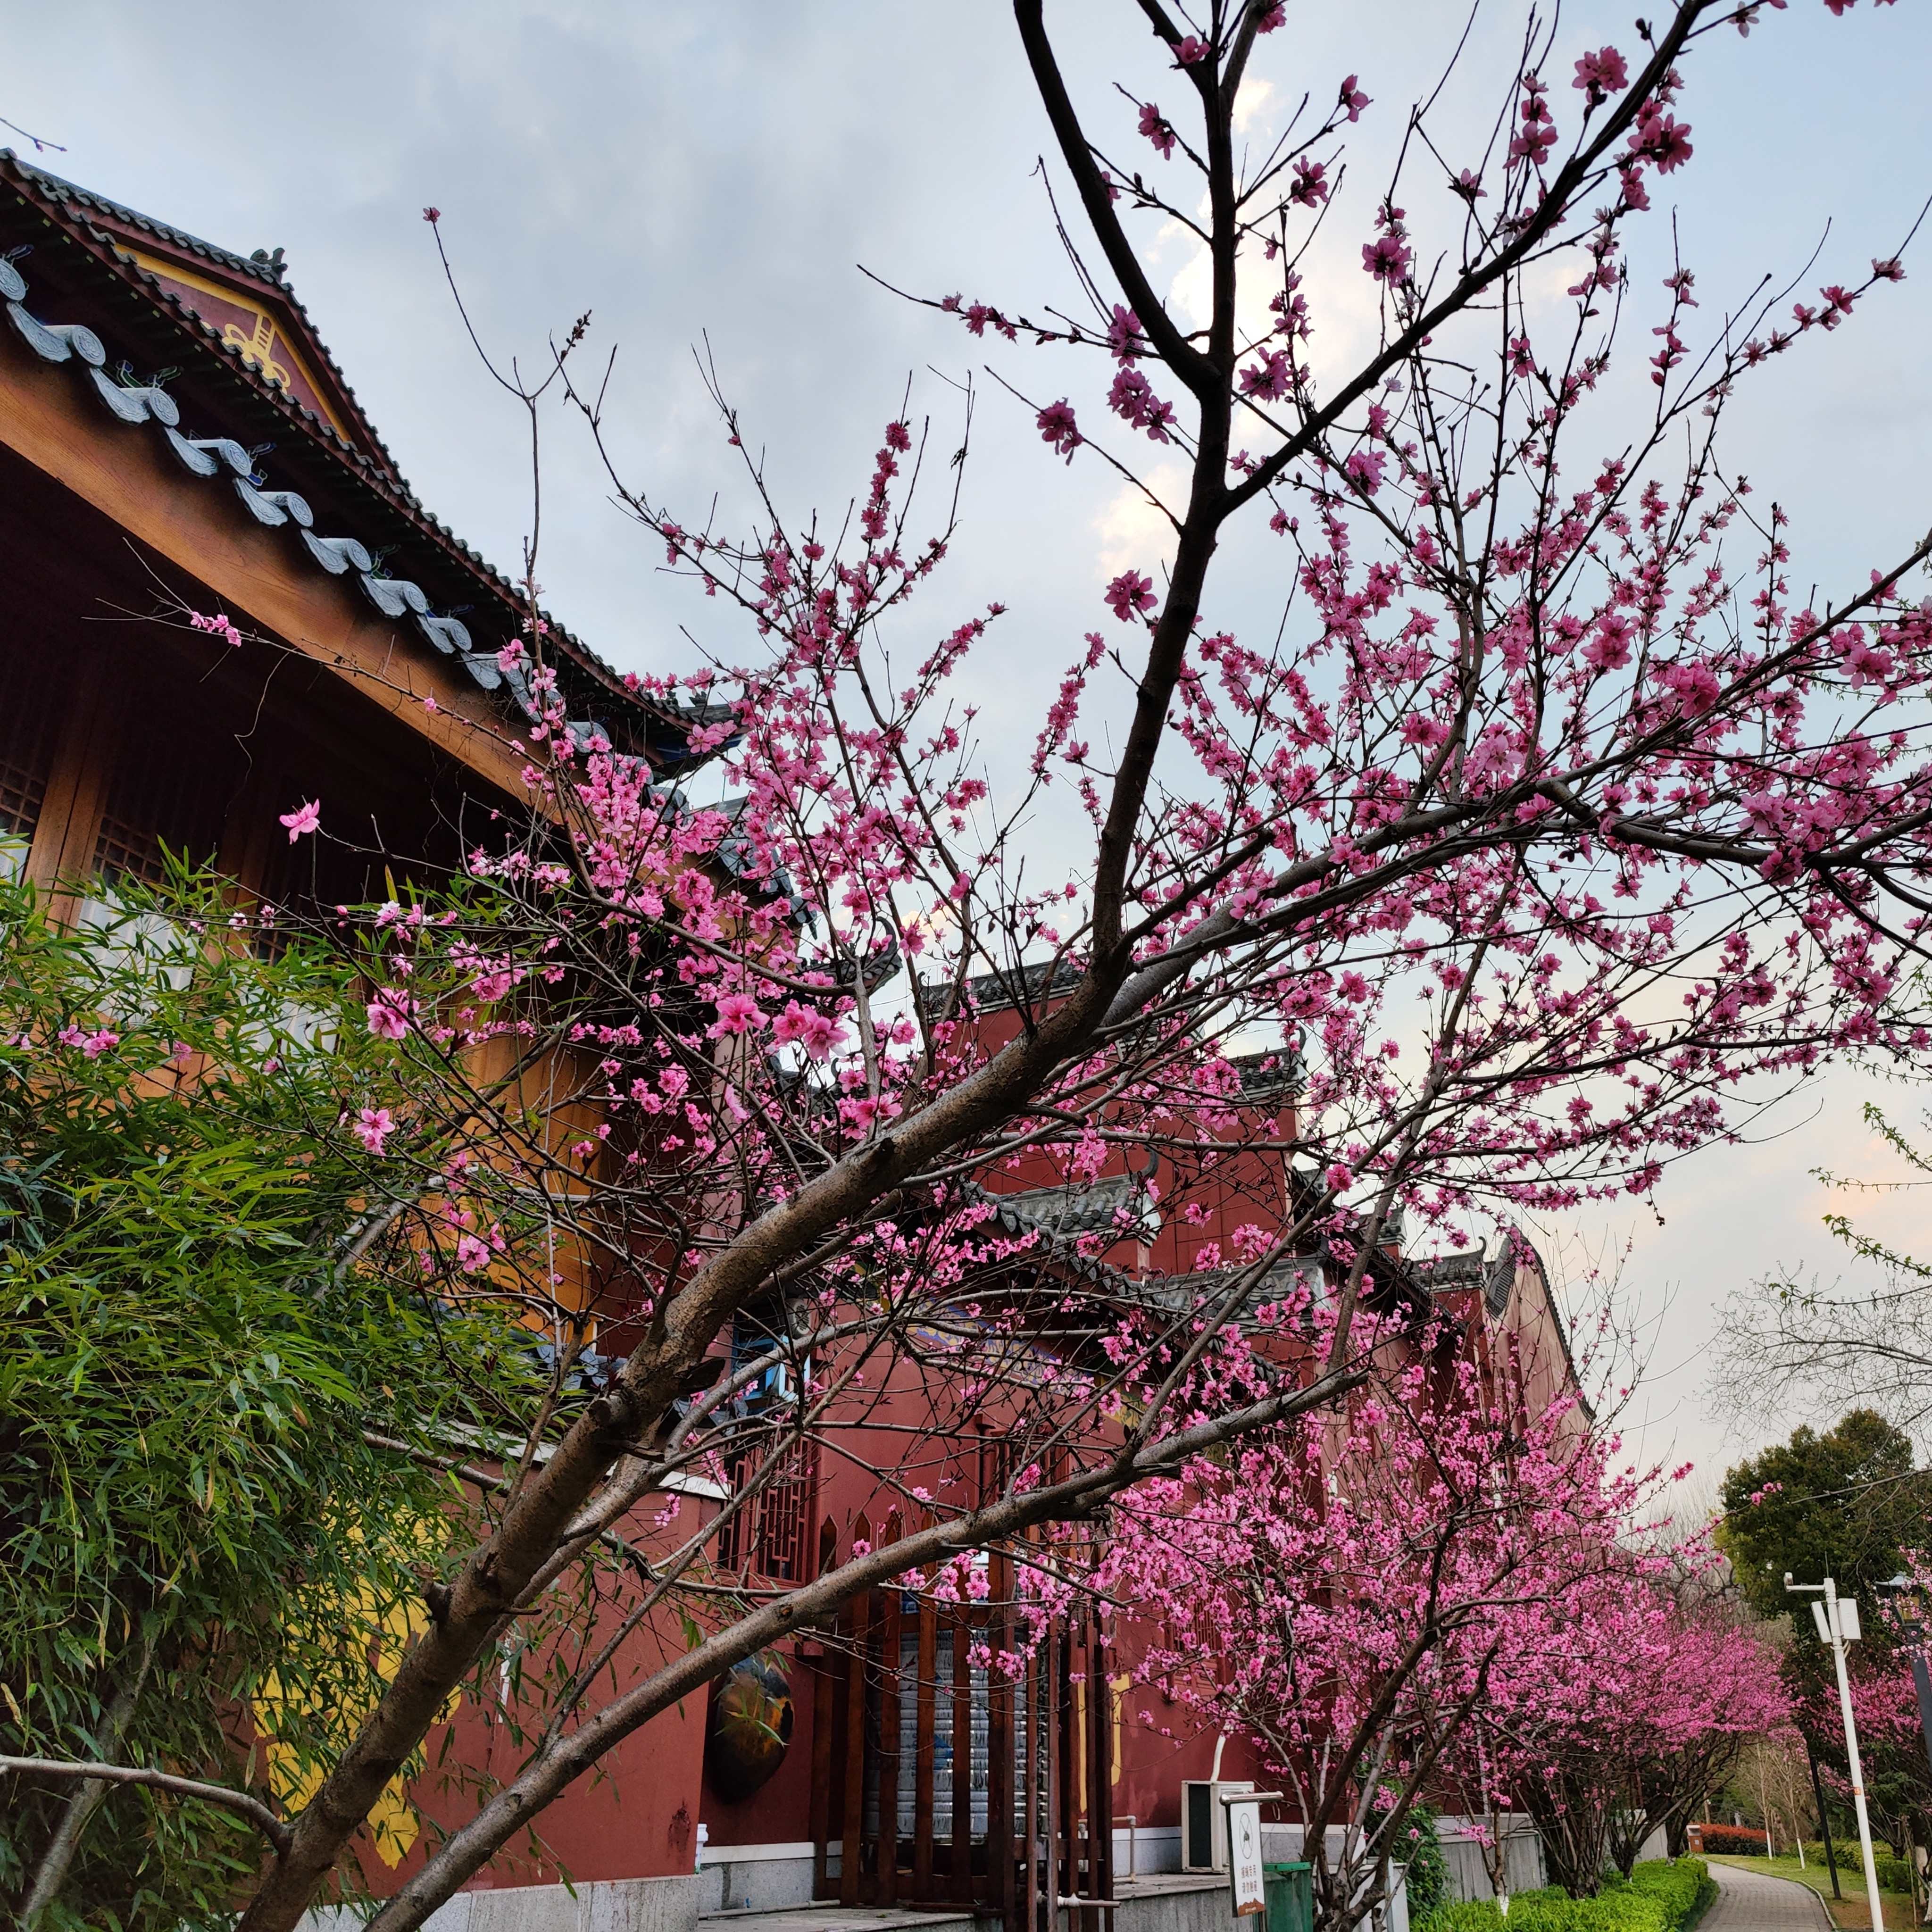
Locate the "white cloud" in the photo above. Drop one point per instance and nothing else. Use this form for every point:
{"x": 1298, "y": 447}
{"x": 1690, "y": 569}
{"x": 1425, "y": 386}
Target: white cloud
{"x": 1130, "y": 533}
{"x": 1256, "y": 97}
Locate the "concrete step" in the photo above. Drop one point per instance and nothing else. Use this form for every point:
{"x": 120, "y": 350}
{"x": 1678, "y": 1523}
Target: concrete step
{"x": 826, "y": 1918}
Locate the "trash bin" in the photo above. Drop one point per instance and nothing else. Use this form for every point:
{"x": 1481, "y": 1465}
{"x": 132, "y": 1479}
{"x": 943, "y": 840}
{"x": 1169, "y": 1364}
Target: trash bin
{"x": 1290, "y": 1892}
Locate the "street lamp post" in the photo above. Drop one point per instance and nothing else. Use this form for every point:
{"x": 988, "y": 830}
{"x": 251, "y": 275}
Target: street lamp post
{"x": 1837, "y": 1621}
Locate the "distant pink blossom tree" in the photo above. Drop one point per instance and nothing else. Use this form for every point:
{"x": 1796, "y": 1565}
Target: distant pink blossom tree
{"x": 1891, "y": 1737}
{"x": 1625, "y": 1716}
{"x": 1381, "y": 1566}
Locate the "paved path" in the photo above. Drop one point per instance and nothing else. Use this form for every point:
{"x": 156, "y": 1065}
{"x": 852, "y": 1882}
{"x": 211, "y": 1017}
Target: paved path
{"x": 1751, "y": 1901}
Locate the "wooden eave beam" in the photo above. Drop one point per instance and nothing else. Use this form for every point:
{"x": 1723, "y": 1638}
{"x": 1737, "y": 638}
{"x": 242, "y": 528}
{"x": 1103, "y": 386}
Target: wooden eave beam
{"x": 261, "y": 577}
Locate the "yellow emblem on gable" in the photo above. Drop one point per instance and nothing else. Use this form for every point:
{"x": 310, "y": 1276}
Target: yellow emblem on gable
{"x": 259, "y": 346}
{"x": 260, "y": 340}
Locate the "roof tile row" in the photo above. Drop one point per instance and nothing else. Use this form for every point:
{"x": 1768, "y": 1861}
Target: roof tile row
{"x": 70, "y": 201}
{"x": 218, "y": 456}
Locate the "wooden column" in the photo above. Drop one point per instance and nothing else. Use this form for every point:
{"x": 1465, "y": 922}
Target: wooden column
{"x": 855, "y": 1755}
{"x": 999, "y": 1744}
{"x": 1100, "y": 1773}
{"x": 64, "y": 836}
{"x": 822, "y": 1721}
{"x": 1029, "y": 1689}
{"x": 922, "y": 1752}
{"x": 1053, "y": 1763}
{"x": 961, "y": 1875}
{"x": 888, "y": 1743}
{"x": 1070, "y": 1781}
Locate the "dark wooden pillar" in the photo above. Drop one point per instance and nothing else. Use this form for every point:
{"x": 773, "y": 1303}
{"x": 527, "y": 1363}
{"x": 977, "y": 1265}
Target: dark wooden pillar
{"x": 961, "y": 1875}
{"x": 922, "y": 1752}
{"x": 1054, "y": 1741}
{"x": 999, "y": 1744}
{"x": 1029, "y": 1847}
{"x": 822, "y": 1722}
{"x": 84, "y": 756}
{"x": 888, "y": 1744}
{"x": 1071, "y": 1786}
{"x": 855, "y": 1755}
{"x": 1100, "y": 1776}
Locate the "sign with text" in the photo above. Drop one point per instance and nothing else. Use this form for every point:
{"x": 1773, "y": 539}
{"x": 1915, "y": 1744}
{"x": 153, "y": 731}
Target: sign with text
{"x": 1244, "y": 1855}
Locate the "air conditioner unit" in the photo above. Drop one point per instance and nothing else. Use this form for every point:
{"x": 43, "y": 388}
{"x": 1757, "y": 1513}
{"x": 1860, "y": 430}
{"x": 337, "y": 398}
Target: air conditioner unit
{"x": 1203, "y": 1823}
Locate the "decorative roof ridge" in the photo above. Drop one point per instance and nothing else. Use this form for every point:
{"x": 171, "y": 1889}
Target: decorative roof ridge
{"x": 261, "y": 264}
{"x": 1054, "y": 1245}
{"x": 1280, "y": 1272}
{"x": 1082, "y": 1207}
{"x": 1269, "y": 1070}
{"x": 52, "y": 188}
{"x": 1283, "y": 1265}
{"x": 1466, "y": 1265}
{"x": 1000, "y": 990}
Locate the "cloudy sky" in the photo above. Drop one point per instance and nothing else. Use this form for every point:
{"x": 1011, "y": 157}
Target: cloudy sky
{"x": 715, "y": 171}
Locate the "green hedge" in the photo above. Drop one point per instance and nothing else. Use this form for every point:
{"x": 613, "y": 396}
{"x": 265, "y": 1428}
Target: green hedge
{"x": 1894, "y": 1874}
{"x": 1663, "y": 1895}
{"x": 1683, "y": 1887}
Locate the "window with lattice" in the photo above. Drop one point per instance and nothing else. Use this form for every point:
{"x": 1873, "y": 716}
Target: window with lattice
{"x": 771, "y": 1535}
{"x": 29, "y": 715}
{"x": 167, "y": 791}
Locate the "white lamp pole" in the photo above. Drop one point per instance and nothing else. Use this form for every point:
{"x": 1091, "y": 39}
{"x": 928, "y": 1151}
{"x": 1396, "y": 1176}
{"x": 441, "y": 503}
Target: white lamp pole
{"x": 1836, "y": 1622}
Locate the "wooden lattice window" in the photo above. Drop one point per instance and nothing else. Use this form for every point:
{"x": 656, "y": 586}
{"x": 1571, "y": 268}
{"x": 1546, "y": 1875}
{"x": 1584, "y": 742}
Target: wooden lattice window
{"x": 772, "y": 1534}
{"x": 28, "y": 716}
{"x": 22, "y": 792}
{"x": 167, "y": 790}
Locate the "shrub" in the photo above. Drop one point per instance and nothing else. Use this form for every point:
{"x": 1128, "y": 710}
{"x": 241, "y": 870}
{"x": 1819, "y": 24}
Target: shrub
{"x": 1427, "y": 1868}
{"x": 1624, "y": 1910}
{"x": 1735, "y": 1840}
{"x": 192, "y": 1522}
{"x": 1682, "y": 1886}
{"x": 1894, "y": 1874}
{"x": 1662, "y": 1895}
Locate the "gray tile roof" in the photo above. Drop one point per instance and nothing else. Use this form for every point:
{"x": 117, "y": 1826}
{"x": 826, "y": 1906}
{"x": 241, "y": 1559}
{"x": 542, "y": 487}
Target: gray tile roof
{"x": 1010, "y": 1214}
{"x": 225, "y": 459}
{"x": 262, "y": 266}
{"x": 221, "y": 459}
{"x": 1090, "y": 1210}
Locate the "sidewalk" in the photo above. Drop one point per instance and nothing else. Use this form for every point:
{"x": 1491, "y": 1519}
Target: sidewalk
{"x": 1749, "y": 1901}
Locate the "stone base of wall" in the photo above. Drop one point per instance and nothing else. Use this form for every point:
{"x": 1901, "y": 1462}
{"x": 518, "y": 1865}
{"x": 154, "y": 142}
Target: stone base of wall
{"x": 1163, "y": 1902}
{"x": 1173, "y": 1902}
{"x": 608, "y": 1905}
{"x": 756, "y": 1878}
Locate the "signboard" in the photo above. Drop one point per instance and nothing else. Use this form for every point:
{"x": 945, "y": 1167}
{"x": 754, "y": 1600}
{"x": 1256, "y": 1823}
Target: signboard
{"x": 1244, "y": 1855}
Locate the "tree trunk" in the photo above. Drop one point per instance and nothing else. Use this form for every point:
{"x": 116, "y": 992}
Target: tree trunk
{"x": 1570, "y": 1822}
